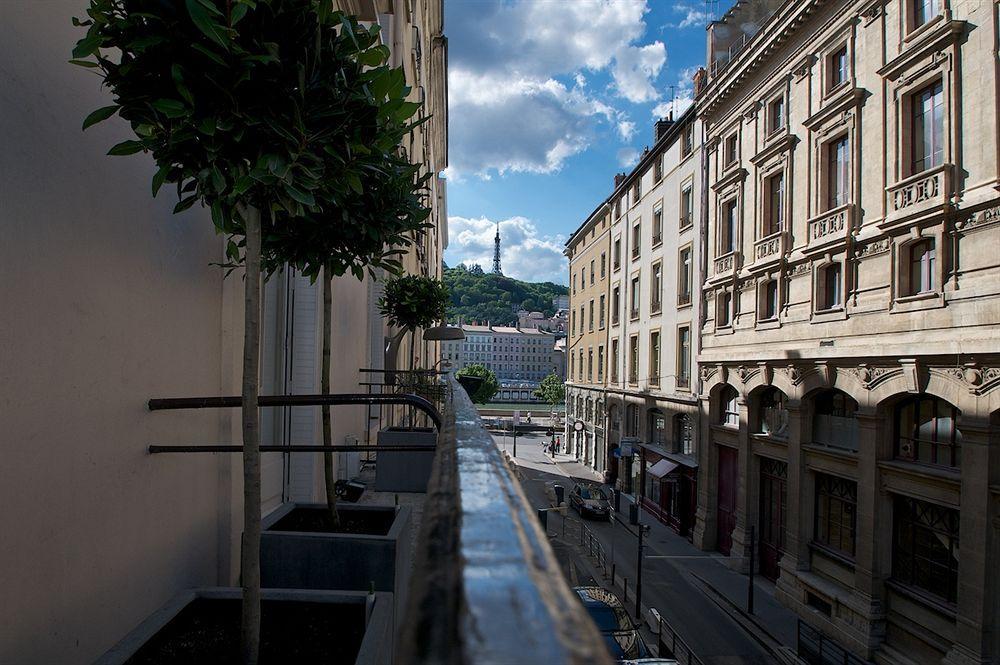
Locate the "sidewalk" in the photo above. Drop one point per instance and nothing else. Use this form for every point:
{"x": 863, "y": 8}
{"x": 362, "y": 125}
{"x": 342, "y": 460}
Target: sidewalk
{"x": 772, "y": 623}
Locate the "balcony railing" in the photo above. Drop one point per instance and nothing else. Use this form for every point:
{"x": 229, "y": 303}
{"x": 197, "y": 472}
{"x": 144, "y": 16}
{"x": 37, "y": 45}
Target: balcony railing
{"x": 725, "y": 265}
{"x": 487, "y": 587}
{"x": 769, "y": 248}
{"x": 922, "y": 193}
{"x": 831, "y": 227}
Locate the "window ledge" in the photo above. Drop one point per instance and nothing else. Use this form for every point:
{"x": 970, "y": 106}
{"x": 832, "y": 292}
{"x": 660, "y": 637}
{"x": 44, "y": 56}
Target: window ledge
{"x": 838, "y": 313}
{"x": 918, "y": 301}
{"x": 927, "y": 471}
{"x": 919, "y": 31}
{"x": 768, "y": 324}
{"x": 922, "y": 597}
{"x": 836, "y": 555}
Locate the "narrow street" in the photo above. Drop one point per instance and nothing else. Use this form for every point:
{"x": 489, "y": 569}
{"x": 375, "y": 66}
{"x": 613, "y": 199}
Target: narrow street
{"x": 673, "y": 570}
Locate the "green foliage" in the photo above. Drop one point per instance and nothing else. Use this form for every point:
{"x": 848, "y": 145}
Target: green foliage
{"x": 413, "y": 301}
{"x": 284, "y": 105}
{"x": 488, "y": 388}
{"x": 479, "y": 296}
{"x": 551, "y": 390}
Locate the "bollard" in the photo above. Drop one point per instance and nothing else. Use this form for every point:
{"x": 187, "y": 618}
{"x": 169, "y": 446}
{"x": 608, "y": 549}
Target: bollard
{"x": 625, "y": 590}
{"x": 633, "y": 513}
{"x": 543, "y": 517}
{"x": 612, "y": 573}
{"x": 560, "y": 494}
{"x": 618, "y": 500}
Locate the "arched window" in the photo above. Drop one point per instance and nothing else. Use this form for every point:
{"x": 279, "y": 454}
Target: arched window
{"x": 922, "y": 260}
{"x": 729, "y": 409}
{"x": 834, "y": 423}
{"x": 927, "y": 431}
{"x": 657, "y": 427}
{"x": 772, "y": 414}
{"x": 683, "y": 433}
{"x": 829, "y": 287}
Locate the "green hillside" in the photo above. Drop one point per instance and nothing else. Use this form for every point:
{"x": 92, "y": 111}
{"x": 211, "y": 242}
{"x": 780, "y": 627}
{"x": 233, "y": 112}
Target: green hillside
{"x": 480, "y": 296}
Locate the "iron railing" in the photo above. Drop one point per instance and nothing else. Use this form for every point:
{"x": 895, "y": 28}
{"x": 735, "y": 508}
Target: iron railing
{"x": 816, "y": 648}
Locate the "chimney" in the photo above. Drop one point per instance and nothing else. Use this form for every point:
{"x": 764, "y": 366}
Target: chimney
{"x": 661, "y": 127}
{"x": 619, "y": 179}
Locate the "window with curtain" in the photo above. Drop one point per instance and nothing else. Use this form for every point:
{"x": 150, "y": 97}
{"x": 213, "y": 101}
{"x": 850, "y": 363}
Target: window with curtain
{"x": 634, "y": 310}
{"x": 837, "y": 172}
{"x": 683, "y": 357}
{"x": 922, "y": 259}
{"x": 727, "y": 230}
{"x": 924, "y": 11}
{"x": 724, "y": 306}
{"x": 774, "y": 212}
{"x": 654, "y": 358}
{"x": 658, "y": 226}
{"x": 729, "y": 408}
{"x": 830, "y": 287}
{"x": 633, "y": 359}
{"x": 927, "y": 128}
{"x": 684, "y": 276}
{"x": 769, "y": 298}
{"x": 838, "y": 64}
{"x": 656, "y": 287}
{"x": 776, "y": 114}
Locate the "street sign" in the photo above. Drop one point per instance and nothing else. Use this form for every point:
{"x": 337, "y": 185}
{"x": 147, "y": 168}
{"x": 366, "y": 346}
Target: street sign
{"x": 578, "y": 425}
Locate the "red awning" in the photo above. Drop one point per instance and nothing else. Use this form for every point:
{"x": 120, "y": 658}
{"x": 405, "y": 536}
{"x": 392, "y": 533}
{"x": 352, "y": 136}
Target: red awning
{"x": 662, "y": 468}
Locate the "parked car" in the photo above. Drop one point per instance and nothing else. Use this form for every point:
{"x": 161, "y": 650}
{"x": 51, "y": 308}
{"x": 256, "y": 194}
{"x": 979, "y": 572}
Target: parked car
{"x": 620, "y": 635}
{"x": 590, "y": 500}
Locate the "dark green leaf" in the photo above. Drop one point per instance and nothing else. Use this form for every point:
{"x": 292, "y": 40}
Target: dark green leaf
{"x": 160, "y": 177}
{"x": 126, "y": 148}
{"x": 100, "y": 114}
{"x": 88, "y": 45}
{"x": 171, "y": 108}
{"x": 84, "y": 63}
{"x": 184, "y": 204}
{"x": 200, "y": 16}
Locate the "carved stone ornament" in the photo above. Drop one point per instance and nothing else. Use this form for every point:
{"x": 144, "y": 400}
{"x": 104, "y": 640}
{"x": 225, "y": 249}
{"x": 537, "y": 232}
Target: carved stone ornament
{"x": 792, "y": 373}
{"x": 979, "y": 219}
{"x": 880, "y": 246}
{"x": 871, "y": 12}
{"x": 799, "y": 269}
{"x": 708, "y": 372}
{"x": 801, "y": 69}
{"x": 869, "y": 376}
{"x": 978, "y": 380}
{"x": 744, "y": 373}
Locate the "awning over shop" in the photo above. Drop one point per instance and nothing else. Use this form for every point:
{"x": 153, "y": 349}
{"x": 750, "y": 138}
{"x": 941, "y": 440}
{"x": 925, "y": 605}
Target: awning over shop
{"x": 662, "y": 468}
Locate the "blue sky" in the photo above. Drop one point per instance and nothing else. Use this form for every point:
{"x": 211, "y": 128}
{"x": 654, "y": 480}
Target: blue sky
{"x": 548, "y": 99}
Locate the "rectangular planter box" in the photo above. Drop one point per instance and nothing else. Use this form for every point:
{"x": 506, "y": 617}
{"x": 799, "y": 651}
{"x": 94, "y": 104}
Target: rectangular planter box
{"x": 359, "y": 625}
{"x": 405, "y": 471}
{"x": 340, "y": 561}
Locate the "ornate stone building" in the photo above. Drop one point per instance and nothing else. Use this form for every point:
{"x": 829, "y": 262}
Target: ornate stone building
{"x": 850, "y": 361}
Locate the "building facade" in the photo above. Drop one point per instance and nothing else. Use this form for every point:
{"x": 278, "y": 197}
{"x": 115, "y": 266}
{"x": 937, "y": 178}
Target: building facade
{"x": 651, "y": 389}
{"x": 97, "y": 532}
{"x": 520, "y": 358}
{"x": 850, "y": 397}
{"x": 589, "y": 254}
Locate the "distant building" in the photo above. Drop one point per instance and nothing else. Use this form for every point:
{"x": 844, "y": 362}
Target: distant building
{"x": 520, "y": 357}
{"x": 561, "y": 302}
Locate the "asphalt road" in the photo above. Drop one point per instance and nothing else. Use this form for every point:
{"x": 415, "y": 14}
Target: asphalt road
{"x": 670, "y": 564}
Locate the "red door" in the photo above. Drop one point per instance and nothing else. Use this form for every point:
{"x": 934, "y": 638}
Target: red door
{"x": 773, "y": 503}
{"x": 726, "y": 518}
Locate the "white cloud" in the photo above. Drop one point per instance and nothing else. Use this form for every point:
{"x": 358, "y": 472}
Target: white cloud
{"x": 525, "y": 254}
{"x": 635, "y": 70}
{"x": 519, "y": 99}
{"x": 692, "y": 16}
{"x": 628, "y": 157}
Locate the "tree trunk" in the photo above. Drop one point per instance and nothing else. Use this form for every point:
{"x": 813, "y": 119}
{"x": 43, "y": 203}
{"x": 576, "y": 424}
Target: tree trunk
{"x": 329, "y": 480}
{"x": 251, "y": 443}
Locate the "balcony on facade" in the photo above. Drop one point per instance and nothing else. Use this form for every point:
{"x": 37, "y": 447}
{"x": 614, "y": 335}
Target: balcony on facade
{"x": 830, "y": 229}
{"x": 925, "y": 193}
{"x": 725, "y": 265}
{"x": 769, "y": 248}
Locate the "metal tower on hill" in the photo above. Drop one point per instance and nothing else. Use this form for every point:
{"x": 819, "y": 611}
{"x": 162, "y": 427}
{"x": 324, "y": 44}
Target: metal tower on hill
{"x": 496, "y": 252}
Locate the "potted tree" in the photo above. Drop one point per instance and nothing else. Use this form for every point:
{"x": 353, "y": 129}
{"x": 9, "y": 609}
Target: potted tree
{"x": 257, "y": 110}
{"x": 481, "y": 383}
{"x": 408, "y": 302}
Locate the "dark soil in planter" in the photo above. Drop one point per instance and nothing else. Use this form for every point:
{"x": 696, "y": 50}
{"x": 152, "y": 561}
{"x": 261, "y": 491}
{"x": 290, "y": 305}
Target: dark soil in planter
{"x": 317, "y": 520}
{"x": 208, "y": 631}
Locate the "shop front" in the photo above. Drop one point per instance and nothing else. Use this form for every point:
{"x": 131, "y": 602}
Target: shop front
{"x": 669, "y": 487}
